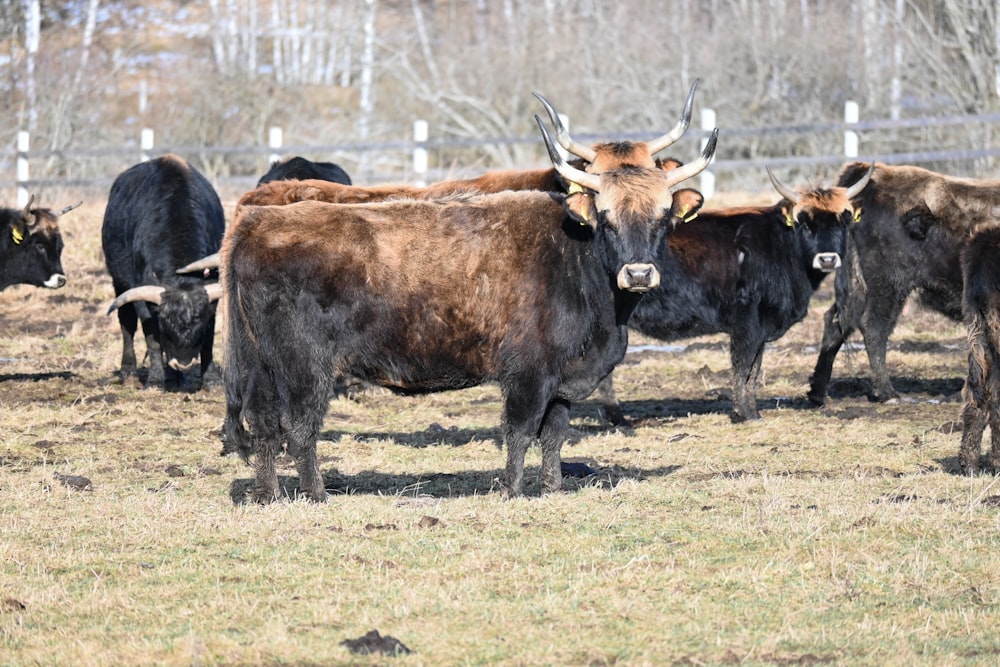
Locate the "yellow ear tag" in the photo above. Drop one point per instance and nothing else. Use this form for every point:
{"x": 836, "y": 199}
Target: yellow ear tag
{"x": 16, "y": 235}
{"x": 789, "y": 220}
{"x": 857, "y": 215}
{"x": 574, "y": 188}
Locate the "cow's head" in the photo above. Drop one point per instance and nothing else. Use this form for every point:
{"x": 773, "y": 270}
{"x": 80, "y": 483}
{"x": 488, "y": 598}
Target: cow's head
{"x": 625, "y": 195}
{"x": 185, "y": 314}
{"x": 822, "y": 216}
{"x": 31, "y": 247}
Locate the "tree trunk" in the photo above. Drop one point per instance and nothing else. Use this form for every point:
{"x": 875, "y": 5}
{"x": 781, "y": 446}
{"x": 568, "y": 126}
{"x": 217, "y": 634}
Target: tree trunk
{"x": 367, "y": 76}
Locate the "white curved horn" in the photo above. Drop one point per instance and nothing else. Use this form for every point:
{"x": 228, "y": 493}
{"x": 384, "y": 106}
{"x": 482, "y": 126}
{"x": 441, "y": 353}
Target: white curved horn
{"x": 658, "y": 144}
{"x": 212, "y": 261}
{"x": 214, "y": 291}
{"x": 562, "y": 135}
{"x": 151, "y": 293}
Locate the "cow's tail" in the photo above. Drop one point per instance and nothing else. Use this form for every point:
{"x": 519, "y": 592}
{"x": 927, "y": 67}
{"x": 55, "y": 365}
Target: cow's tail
{"x": 236, "y": 372}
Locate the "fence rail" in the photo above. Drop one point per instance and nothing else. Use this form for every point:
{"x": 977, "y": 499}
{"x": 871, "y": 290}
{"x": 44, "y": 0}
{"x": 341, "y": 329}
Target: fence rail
{"x": 420, "y": 146}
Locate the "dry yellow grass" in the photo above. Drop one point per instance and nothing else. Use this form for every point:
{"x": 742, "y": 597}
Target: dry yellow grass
{"x": 833, "y": 536}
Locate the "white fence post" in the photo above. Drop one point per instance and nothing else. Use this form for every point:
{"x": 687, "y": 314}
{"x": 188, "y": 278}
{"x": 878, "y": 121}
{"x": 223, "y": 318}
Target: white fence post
{"x": 274, "y": 139}
{"x": 707, "y": 177}
{"x": 146, "y": 143}
{"x": 851, "y": 116}
{"x": 421, "y": 131}
{"x": 23, "y": 142}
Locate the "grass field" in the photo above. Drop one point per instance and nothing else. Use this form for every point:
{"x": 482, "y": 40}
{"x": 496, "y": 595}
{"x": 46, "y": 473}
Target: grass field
{"x": 843, "y": 535}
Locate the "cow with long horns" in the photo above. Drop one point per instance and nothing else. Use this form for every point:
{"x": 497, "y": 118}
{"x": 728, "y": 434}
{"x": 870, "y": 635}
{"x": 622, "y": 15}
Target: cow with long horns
{"x": 281, "y": 192}
{"x": 161, "y": 215}
{"x": 748, "y": 272}
{"x": 531, "y": 290}
{"x": 31, "y": 246}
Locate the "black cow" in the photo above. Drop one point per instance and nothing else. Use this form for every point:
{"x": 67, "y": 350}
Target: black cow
{"x": 529, "y": 289}
{"x": 161, "y": 215}
{"x": 31, "y": 246}
{"x": 748, "y": 272}
{"x": 914, "y": 224}
{"x": 299, "y": 169}
{"x": 981, "y": 307}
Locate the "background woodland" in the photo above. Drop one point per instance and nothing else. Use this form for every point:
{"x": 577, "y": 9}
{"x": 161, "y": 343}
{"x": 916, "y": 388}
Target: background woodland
{"x": 92, "y": 73}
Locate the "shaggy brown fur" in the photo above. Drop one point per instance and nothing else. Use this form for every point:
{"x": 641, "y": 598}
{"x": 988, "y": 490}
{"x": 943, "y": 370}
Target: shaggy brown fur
{"x": 914, "y": 224}
{"x": 981, "y": 394}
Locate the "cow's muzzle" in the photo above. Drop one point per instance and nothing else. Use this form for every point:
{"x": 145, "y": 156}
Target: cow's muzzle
{"x": 179, "y": 367}
{"x": 638, "y": 277}
{"x": 826, "y": 261}
{"x": 55, "y": 281}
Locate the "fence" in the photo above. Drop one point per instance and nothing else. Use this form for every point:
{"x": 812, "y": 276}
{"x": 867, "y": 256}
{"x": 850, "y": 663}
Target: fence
{"x": 421, "y": 146}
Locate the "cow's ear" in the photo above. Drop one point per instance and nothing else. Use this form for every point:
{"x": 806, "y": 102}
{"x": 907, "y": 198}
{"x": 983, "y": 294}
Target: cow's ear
{"x": 687, "y": 202}
{"x": 580, "y": 205}
{"x": 19, "y": 229}
{"x": 789, "y": 212}
{"x": 668, "y": 163}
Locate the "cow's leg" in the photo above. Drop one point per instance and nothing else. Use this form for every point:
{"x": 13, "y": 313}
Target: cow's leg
{"x": 839, "y": 321}
{"x": 305, "y": 394}
{"x": 994, "y": 419}
{"x": 266, "y": 443}
{"x": 305, "y": 418}
{"x": 265, "y": 451}
{"x": 992, "y": 408}
{"x": 877, "y": 322}
{"x": 746, "y": 353}
{"x": 612, "y": 409}
{"x": 525, "y": 405}
{"x": 302, "y": 447}
{"x": 128, "y": 321}
{"x": 252, "y": 399}
{"x": 151, "y": 330}
{"x": 834, "y": 334}
{"x": 973, "y": 417}
{"x": 552, "y": 436}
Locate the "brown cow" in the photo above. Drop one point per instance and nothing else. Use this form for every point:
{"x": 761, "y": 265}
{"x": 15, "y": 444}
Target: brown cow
{"x": 981, "y": 308}
{"x": 914, "y": 223}
{"x": 531, "y": 290}
{"x": 595, "y": 159}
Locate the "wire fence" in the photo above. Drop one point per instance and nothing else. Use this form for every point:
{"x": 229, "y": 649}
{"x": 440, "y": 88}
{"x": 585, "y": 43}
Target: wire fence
{"x": 743, "y": 153}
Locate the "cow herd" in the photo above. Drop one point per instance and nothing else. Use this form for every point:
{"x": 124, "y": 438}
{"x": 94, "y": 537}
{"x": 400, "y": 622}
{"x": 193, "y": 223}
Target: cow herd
{"x": 530, "y": 279}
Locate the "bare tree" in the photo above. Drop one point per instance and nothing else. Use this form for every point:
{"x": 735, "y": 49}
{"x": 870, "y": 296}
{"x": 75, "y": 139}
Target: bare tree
{"x": 948, "y": 39}
{"x": 365, "y": 105}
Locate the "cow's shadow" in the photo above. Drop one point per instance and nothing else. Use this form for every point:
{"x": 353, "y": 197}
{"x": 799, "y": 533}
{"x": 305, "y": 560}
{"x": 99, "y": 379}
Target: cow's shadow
{"x": 652, "y": 411}
{"x": 433, "y": 436}
{"x": 442, "y": 485}
{"x": 861, "y": 387}
{"x": 952, "y": 466}
{"x": 37, "y": 377}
